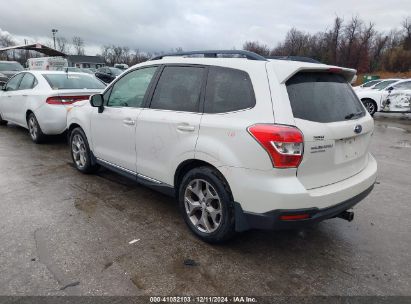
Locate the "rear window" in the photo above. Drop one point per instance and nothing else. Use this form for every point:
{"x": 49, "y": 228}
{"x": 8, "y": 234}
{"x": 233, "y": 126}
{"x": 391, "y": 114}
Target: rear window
{"x": 383, "y": 84}
{"x": 323, "y": 97}
{"x": 11, "y": 66}
{"x": 69, "y": 81}
{"x": 178, "y": 89}
{"x": 228, "y": 90}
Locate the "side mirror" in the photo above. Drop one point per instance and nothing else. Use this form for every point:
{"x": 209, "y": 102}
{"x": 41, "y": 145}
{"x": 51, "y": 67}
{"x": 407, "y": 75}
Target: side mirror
{"x": 97, "y": 101}
{"x": 390, "y": 89}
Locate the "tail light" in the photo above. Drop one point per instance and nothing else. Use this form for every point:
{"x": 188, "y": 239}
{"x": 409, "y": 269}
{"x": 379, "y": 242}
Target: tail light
{"x": 64, "y": 100}
{"x": 284, "y": 144}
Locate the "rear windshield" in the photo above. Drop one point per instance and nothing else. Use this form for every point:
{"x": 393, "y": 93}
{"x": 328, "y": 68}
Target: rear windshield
{"x": 69, "y": 81}
{"x": 11, "y": 66}
{"x": 323, "y": 97}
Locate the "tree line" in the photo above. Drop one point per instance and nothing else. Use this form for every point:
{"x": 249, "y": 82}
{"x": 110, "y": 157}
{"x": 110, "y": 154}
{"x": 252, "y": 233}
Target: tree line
{"x": 353, "y": 44}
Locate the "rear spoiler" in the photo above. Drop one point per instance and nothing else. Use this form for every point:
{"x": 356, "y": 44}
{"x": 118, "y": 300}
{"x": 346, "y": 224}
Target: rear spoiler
{"x": 286, "y": 70}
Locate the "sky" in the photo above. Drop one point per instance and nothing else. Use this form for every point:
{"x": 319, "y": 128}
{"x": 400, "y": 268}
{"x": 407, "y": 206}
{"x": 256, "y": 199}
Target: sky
{"x": 162, "y": 25}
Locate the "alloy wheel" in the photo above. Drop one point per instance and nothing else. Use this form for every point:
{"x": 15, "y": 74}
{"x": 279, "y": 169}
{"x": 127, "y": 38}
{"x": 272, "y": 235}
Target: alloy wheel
{"x": 79, "y": 151}
{"x": 370, "y": 107}
{"x": 203, "y": 206}
{"x": 33, "y": 127}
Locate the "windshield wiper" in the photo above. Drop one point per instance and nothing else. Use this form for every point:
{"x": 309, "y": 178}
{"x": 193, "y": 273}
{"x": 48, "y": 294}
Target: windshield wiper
{"x": 353, "y": 115}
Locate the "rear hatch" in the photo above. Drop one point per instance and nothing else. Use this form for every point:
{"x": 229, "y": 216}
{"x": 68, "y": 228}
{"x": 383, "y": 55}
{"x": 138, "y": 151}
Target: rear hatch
{"x": 336, "y": 128}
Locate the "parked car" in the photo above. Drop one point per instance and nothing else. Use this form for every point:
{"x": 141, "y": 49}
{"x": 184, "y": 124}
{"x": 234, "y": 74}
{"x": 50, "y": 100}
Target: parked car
{"x": 108, "y": 74}
{"x": 3, "y": 79}
{"x": 367, "y": 84}
{"x": 374, "y": 97}
{"x": 241, "y": 143}
{"x": 8, "y": 69}
{"x": 38, "y": 100}
{"x": 88, "y": 71}
{"x": 121, "y": 66}
{"x": 47, "y": 63}
{"x": 398, "y": 100}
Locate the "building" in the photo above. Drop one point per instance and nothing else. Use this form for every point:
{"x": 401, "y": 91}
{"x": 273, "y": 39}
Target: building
{"x": 83, "y": 61}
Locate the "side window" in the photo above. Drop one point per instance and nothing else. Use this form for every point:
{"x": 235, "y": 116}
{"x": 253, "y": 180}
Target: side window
{"x": 228, "y": 90}
{"x": 130, "y": 90}
{"x": 14, "y": 82}
{"x": 404, "y": 85}
{"x": 27, "y": 82}
{"x": 178, "y": 89}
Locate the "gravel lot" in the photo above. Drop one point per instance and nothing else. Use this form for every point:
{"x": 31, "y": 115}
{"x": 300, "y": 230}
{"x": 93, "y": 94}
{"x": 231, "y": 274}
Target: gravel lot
{"x": 64, "y": 233}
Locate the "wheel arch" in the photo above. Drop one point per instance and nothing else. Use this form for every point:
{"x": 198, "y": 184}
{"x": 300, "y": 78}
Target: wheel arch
{"x": 190, "y": 164}
{"x": 28, "y": 112}
{"x": 372, "y": 100}
{"x": 72, "y": 127}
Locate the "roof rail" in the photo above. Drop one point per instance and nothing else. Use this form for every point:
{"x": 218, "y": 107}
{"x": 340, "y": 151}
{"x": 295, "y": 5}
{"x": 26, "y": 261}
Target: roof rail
{"x": 294, "y": 58}
{"x": 213, "y": 54}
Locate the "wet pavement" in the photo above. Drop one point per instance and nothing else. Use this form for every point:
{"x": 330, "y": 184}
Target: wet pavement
{"x": 65, "y": 233}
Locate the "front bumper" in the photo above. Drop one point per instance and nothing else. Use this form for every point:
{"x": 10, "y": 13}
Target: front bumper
{"x": 271, "y": 220}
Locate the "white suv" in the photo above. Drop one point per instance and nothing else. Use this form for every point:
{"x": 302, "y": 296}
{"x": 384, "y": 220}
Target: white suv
{"x": 241, "y": 142}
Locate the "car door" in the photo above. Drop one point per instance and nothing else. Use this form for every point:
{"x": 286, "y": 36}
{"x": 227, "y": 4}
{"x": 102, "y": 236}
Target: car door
{"x": 113, "y": 130}
{"x": 9, "y": 97}
{"x": 167, "y": 130}
{"x": 25, "y": 91}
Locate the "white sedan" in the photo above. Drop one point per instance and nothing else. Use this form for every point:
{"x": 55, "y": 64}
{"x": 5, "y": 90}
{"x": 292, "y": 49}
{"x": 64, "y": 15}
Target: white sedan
{"x": 39, "y": 100}
{"x": 373, "y": 97}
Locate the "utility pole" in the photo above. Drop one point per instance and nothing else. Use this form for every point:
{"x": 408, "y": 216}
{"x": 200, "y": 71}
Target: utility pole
{"x": 54, "y": 31}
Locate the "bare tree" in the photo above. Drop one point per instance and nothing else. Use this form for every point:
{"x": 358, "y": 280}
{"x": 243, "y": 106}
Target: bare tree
{"x": 406, "y": 24}
{"x": 78, "y": 44}
{"x": 63, "y": 45}
{"x": 6, "y": 41}
{"x": 256, "y": 47}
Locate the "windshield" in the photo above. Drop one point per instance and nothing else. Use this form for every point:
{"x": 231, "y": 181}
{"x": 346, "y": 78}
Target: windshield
{"x": 323, "y": 97}
{"x": 370, "y": 83}
{"x": 116, "y": 71}
{"x": 72, "y": 81}
{"x": 11, "y": 66}
{"x": 88, "y": 71}
{"x": 383, "y": 84}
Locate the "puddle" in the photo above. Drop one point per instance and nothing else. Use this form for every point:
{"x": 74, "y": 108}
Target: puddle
{"x": 86, "y": 205}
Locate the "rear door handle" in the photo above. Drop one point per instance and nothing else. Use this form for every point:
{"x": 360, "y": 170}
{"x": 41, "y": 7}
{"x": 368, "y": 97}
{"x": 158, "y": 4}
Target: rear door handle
{"x": 129, "y": 122}
{"x": 186, "y": 128}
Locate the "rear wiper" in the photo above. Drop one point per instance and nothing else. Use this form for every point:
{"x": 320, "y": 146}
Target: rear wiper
{"x": 353, "y": 115}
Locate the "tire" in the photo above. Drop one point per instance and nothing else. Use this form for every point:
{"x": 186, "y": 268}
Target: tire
{"x": 2, "y": 122}
{"x": 198, "y": 214}
{"x": 36, "y": 134}
{"x": 370, "y": 105}
{"x": 81, "y": 153}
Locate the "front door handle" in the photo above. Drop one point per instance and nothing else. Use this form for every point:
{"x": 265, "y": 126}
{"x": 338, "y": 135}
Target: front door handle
{"x": 186, "y": 128}
{"x": 129, "y": 122}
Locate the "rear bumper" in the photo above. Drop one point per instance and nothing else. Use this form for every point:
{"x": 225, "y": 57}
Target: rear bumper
{"x": 52, "y": 118}
{"x": 271, "y": 220}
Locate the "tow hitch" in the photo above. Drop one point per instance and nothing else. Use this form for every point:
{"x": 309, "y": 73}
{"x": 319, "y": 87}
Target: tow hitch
{"x": 346, "y": 215}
